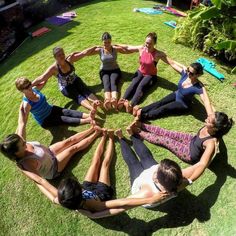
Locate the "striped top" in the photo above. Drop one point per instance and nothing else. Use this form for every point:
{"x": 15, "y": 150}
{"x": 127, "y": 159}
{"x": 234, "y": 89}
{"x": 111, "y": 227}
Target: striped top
{"x": 40, "y": 109}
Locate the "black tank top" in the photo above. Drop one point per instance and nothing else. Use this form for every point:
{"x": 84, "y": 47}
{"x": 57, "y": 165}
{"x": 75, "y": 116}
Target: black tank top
{"x": 67, "y": 78}
{"x": 196, "y": 147}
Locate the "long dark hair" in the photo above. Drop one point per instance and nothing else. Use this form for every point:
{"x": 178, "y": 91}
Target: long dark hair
{"x": 222, "y": 124}
{"x": 169, "y": 175}
{"x": 106, "y": 36}
{"x": 70, "y": 193}
{"x": 9, "y": 146}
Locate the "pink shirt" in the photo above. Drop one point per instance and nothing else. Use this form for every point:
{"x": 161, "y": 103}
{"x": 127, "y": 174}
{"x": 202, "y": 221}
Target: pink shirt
{"x": 147, "y": 62}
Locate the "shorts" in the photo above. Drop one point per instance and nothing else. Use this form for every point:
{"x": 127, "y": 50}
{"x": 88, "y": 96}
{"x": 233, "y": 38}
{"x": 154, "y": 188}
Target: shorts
{"x": 103, "y": 191}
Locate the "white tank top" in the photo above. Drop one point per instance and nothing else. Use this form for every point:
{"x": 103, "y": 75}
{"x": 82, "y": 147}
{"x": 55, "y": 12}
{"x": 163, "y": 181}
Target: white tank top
{"x": 145, "y": 178}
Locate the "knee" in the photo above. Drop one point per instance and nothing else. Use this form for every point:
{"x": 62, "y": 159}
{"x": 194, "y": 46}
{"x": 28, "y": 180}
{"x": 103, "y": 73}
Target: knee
{"x": 106, "y": 164}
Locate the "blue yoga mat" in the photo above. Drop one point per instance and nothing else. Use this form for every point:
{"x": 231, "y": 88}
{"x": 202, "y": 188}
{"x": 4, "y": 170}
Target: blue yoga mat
{"x": 149, "y": 11}
{"x": 171, "y": 23}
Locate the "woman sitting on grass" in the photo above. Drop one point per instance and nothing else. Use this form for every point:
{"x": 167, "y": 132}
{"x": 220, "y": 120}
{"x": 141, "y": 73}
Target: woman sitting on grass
{"x": 69, "y": 83}
{"x": 179, "y": 101}
{"x": 110, "y": 72}
{"x": 196, "y": 149}
{"x": 39, "y": 163}
{"x": 44, "y": 113}
{"x": 96, "y": 187}
{"x": 152, "y": 183}
{"x": 146, "y": 75}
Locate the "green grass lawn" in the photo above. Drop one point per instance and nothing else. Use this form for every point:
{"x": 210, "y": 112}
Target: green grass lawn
{"x": 208, "y": 207}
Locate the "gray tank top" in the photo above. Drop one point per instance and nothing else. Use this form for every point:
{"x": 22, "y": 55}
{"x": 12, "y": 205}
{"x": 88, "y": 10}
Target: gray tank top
{"x": 46, "y": 161}
{"x": 108, "y": 60}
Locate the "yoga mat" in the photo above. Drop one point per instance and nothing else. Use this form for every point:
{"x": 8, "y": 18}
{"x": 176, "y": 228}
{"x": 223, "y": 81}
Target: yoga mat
{"x": 171, "y": 23}
{"x": 58, "y": 20}
{"x": 71, "y": 14}
{"x": 149, "y": 11}
{"x": 40, "y": 32}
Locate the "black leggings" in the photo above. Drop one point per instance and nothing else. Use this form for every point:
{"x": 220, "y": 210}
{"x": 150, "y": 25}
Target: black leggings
{"x": 138, "y": 86}
{"x": 136, "y": 166}
{"x": 78, "y": 91}
{"x": 110, "y": 79}
{"x": 60, "y": 116}
{"x": 166, "y": 106}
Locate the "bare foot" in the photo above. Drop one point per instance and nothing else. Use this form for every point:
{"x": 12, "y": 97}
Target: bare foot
{"x": 96, "y": 104}
{"x": 111, "y": 133}
{"x": 132, "y": 128}
{"x": 114, "y": 103}
{"x": 86, "y": 121}
{"x": 92, "y": 114}
{"x": 93, "y": 123}
{"x": 138, "y": 114}
{"x": 104, "y": 132}
{"x": 119, "y": 133}
{"x": 120, "y": 104}
{"x": 135, "y": 110}
{"x": 138, "y": 124}
{"x": 107, "y": 104}
{"x": 98, "y": 128}
{"x": 128, "y": 107}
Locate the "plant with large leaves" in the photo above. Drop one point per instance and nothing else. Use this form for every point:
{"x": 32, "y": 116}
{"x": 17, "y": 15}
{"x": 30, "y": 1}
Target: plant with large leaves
{"x": 211, "y": 29}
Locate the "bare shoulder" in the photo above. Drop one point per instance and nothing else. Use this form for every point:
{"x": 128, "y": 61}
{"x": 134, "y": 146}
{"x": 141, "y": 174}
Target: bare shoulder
{"x": 160, "y": 54}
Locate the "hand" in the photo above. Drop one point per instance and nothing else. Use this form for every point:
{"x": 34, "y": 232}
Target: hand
{"x": 56, "y": 201}
{"x": 157, "y": 197}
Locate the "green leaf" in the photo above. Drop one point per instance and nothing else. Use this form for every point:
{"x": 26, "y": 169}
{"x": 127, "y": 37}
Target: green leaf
{"x": 207, "y": 14}
{"x": 234, "y": 70}
{"x": 228, "y": 44}
{"x": 217, "y": 3}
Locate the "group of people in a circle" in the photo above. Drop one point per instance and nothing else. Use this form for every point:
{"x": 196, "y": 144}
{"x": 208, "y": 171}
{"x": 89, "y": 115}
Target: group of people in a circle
{"x": 152, "y": 182}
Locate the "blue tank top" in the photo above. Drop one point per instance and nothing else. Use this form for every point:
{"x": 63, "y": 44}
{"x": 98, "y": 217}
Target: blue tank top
{"x": 67, "y": 78}
{"x": 108, "y": 60}
{"x": 185, "y": 95}
{"x": 40, "y": 109}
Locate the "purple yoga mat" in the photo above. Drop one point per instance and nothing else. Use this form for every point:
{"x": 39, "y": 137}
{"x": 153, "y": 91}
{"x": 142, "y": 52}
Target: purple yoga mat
{"x": 58, "y": 20}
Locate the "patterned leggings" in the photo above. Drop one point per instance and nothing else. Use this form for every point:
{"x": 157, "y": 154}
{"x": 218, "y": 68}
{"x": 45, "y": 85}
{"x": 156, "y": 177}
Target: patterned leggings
{"x": 176, "y": 142}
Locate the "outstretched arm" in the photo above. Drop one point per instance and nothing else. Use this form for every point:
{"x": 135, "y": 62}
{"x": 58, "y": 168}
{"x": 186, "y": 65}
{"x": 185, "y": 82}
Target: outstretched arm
{"x": 127, "y": 49}
{"x": 195, "y": 171}
{"x": 46, "y": 188}
{"x": 103, "y": 214}
{"x": 79, "y": 55}
{"x": 22, "y": 119}
{"x": 42, "y": 79}
{"x": 206, "y": 101}
{"x": 174, "y": 64}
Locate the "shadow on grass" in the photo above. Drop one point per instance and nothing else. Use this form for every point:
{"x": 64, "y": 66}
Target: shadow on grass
{"x": 35, "y": 45}
{"x": 182, "y": 5}
{"x": 181, "y": 211}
